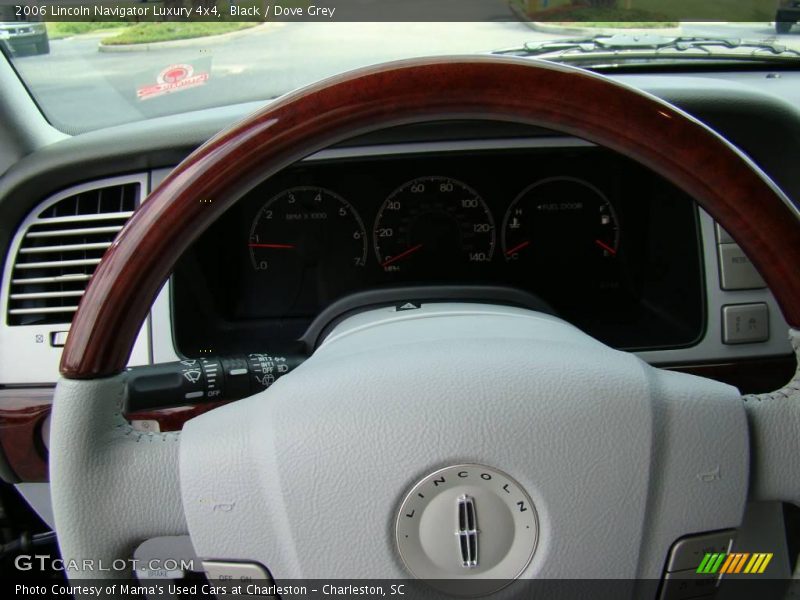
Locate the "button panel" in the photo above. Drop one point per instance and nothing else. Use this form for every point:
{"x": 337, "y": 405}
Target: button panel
{"x": 681, "y": 579}
{"x": 736, "y": 272}
{"x": 688, "y": 553}
{"x": 682, "y": 585}
{"x": 745, "y": 323}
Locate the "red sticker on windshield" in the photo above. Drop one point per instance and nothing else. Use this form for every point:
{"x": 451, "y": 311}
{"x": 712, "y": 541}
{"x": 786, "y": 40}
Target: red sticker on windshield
{"x": 174, "y": 78}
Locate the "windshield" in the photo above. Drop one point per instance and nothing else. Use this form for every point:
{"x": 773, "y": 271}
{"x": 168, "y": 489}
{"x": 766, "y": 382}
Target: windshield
{"x": 89, "y": 70}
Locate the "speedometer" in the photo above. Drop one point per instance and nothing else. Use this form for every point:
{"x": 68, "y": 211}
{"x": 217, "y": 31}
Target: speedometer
{"x": 434, "y": 224}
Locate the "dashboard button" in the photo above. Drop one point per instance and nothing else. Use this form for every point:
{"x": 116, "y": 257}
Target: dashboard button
{"x": 688, "y": 553}
{"x": 736, "y": 272}
{"x": 723, "y": 237}
{"x": 58, "y": 338}
{"x": 745, "y": 323}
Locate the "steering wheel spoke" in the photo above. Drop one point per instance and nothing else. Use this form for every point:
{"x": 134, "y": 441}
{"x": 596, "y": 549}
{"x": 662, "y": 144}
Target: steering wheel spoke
{"x": 113, "y": 487}
{"x": 775, "y": 439}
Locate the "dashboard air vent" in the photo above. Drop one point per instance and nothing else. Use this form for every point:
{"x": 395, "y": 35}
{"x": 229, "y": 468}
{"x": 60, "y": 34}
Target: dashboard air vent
{"x": 60, "y": 249}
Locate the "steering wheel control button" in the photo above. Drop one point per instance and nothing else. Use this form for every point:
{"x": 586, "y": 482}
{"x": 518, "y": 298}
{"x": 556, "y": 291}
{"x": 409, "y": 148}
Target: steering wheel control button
{"x": 467, "y": 530}
{"x": 688, "y": 553}
{"x": 235, "y": 571}
{"x": 736, "y": 272}
{"x": 745, "y": 323}
{"x": 146, "y": 425}
{"x": 686, "y": 585}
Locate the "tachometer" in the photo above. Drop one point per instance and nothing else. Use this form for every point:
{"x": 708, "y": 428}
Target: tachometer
{"x": 561, "y": 221}
{"x": 433, "y": 224}
{"x": 302, "y": 230}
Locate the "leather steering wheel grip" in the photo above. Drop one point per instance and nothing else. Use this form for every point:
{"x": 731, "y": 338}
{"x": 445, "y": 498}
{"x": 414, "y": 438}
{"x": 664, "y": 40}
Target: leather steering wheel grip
{"x": 774, "y": 421}
{"x": 112, "y": 487}
{"x": 670, "y": 142}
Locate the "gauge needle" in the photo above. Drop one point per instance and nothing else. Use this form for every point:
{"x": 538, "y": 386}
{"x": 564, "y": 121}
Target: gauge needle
{"x": 279, "y": 246}
{"x": 402, "y": 255}
{"x": 518, "y": 247}
{"x": 606, "y": 247}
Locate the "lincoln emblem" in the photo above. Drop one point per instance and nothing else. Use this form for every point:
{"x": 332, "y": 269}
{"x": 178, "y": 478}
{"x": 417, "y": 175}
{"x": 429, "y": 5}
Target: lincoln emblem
{"x": 467, "y": 532}
{"x": 442, "y": 541}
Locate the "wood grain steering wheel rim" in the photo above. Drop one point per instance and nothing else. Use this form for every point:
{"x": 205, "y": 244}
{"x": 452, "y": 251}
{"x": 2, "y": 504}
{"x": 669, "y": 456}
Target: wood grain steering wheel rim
{"x": 668, "y": 141}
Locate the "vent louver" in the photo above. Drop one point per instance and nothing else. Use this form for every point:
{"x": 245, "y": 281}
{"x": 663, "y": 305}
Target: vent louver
{"x": 61, "y": 248}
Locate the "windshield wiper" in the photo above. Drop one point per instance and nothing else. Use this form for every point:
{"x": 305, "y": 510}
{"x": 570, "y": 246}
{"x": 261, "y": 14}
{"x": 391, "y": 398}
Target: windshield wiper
{"x": 627, "y": 46}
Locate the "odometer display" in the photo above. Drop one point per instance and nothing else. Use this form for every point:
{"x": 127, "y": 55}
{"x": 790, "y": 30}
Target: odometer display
{"x": 433, "y": 225}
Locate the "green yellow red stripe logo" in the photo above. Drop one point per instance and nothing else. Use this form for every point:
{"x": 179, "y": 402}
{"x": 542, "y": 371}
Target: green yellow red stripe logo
{"x": 735, "y": 562}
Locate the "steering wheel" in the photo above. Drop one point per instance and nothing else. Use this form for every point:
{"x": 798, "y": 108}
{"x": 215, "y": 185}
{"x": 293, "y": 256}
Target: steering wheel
{"x": 574, "y": 453}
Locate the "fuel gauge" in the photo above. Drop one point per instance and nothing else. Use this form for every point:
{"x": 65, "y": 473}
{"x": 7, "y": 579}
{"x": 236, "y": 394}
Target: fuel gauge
{"x": 560, "y": 221}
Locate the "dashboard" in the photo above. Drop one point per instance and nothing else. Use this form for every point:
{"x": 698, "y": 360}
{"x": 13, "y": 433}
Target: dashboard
{"x": 657, "y": 289}
{"x": 583, "y": 232}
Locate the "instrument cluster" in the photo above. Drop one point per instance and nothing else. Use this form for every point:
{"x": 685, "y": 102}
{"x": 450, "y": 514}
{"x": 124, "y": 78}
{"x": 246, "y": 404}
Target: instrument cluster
{"x": 432, "y": 223}
{"x": 598, "y": 237}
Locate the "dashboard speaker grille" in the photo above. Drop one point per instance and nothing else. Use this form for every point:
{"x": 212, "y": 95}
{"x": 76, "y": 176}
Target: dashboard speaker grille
{"x": 60, "y": 250}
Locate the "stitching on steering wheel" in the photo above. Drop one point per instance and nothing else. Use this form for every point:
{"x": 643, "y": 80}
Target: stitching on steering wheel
{"x": 791, "y": 389}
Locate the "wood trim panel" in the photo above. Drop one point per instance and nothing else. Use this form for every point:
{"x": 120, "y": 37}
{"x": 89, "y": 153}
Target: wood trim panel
{"x": 22, "y": 412}
{"x": 751, "y": 376}
{"x": 555, "y": 97}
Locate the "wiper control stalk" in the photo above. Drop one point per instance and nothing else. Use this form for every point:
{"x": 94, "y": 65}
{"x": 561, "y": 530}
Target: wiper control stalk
{"x": 200, "y": 380}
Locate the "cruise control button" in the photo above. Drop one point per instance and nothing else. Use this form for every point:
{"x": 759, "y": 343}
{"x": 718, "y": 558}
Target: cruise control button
{"x": 745, "y": 323}
{"x": 688, "y": 553}
{"x": 235, "y": 571}
{"x": 736, "y": 272}
{"x": 682, "y": 585}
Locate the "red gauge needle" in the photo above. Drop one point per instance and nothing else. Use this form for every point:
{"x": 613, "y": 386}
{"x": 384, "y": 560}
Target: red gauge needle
{"x": 278, "y": 246}
{"x": 402, "y": 255}
{"x": 518, "y": 247}
{"x": 606, "y": 247}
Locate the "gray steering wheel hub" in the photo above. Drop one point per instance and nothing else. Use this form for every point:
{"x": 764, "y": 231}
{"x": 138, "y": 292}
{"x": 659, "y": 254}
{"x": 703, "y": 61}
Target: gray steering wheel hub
{"x": 467, "y": 522}
{"x": 604, "y": 452}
